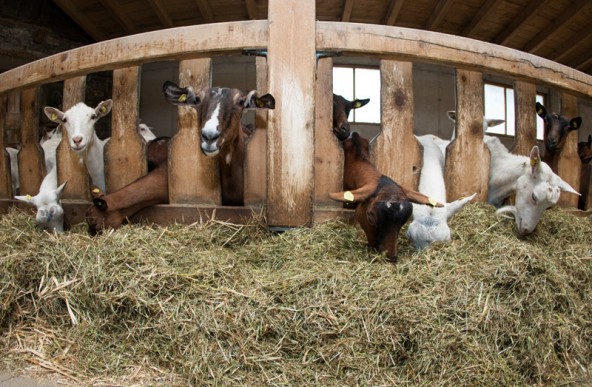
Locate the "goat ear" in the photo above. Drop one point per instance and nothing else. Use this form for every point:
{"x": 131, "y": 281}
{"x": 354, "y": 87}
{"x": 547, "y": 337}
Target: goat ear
{"x": 564, "y": 186}
{"x": 60, "y": 189}
{"x": 100, "y": 204}
{"x": 507, "y": 212}
{"x": 540, "y": 110}
{"x": 491, "y": 122}
{"x": 457, "y": 205}
{"x": 26, "y": 198}
{"x": 451, "y": 115}
{"x": 54, "y": 115}
{"x": 535, "y": 160}
{"x": 255, "y": 102}
{"x": 575, "y": 123}
{"x": 103, "y": 108}
{"x": 180, "y": 96}
{"x": 358, "y": 103}
{"x": 590, "y": 139}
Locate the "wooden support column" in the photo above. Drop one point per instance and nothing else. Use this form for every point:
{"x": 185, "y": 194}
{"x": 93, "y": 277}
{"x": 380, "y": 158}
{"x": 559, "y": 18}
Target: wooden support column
{"x": 6, "y": 189}
{"x": 467, "y": 158}
{"x": 70, "y": 166}
{"x": 396, "y": 152}
{"x": 525, "y": 113}
{"x": 124, "y": 153}
{"x": 193, "y": 177}
{"x": 291, "y": 61}
{"x": 569, "y": 164}
{"x": 328, "y": 166}
{"x": 256, "y": 156}
{"x": 30, "y": 158}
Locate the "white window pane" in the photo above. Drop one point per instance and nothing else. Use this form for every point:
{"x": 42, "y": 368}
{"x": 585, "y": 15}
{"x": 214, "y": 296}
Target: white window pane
{"x": 495, "y": 106}
{"x": 367, "y": 85}
{"x": 540, "y": 124}
{"x": 343, "y": 82}
{"x": 510, "y": 116}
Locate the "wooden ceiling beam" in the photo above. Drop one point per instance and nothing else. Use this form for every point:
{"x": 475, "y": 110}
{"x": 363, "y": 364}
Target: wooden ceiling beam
{"x": 584, "y": 65}
{"x": 82, "y": 20}
{"x": 347, "y": 10}
{"x": 438, "y": 15}
{"x": 205, "y": 10}
{"x": 251, "y": 9}
{"x": 579, "y": 37}
{"x": 162, "y": 13}
{"x": 560, "y": 22}
{"x": 120, "y": 16}
{"x": 503, "y": 37}
{"x": 479, "y": 17}
{"x": 393, "y": 12}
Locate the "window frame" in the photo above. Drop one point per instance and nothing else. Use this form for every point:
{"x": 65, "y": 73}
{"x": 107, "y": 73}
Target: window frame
{"x": 352, "y": 118}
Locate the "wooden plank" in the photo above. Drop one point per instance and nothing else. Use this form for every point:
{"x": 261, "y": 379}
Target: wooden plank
{"x": 569, "y": 163}
{"x": 256, "y": 155}
{"x": 393, "y": 12}
{"x": 438, "y": 14}
{"x": 30, "y": 158}
{"x": 290, "y": 134}
{"x": 70, "y": 167}
{"x": 467, "y": 158}
{"x": 251, "y": 9}
{"x": 161, "y": 12}
{"x": 86, "y": 23}
{"x": 396, "y": 151}
{"x": 525, "y": 117}
{"x": 6, "y": 190}
{"x": 205, "y": 10}
{"x": 125, "y": 160}
{"x": 423, "y": 46}
{"x": 479, "y": 17}
{"x": 347, "y": 10}
{"x": 529, "y": 13}
{"x": 193, "y": 177}
{"x": 328, "y": 165}
{"x": 120, "y": 15}
{"x": 175, "y": 43}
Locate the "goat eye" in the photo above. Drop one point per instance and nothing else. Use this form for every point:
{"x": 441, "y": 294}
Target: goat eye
{"x": 64, "y": 119}
{"x": 241, "y": 102}
{"x": 93, "y": 117}
{"x": 534, "y": 198}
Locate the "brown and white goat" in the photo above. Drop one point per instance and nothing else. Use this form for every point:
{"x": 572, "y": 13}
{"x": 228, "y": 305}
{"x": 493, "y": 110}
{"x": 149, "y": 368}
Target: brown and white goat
{"x": 556, "y": 127}
{"x": 383, "y": 206}
{"x": 585, "y": 153}
{"x": 219, "y": 111}
{"x": 111, "y": 211}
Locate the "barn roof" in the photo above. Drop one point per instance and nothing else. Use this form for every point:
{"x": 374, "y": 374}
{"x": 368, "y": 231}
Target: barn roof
{"x": 559, "y": 30}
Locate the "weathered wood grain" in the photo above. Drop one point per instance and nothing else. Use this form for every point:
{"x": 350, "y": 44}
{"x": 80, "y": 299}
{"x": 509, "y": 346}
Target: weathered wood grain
{"x": 568, "y": 164}
{"x": 525, "y": 113}
{"x": 30, "y": 157}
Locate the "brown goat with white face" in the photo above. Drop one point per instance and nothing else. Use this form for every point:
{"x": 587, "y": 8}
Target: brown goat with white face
{"x": 219, "y": 111}
{"x": 383, "y": 206}
{"x": 557, "y": 127}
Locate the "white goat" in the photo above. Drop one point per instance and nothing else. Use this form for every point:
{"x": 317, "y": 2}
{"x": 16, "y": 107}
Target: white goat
{"x": 50, "y": 214}
{"x": 79, "y": 122}
{"x": 430, "y": 224}
{"x": 146, "y": 132}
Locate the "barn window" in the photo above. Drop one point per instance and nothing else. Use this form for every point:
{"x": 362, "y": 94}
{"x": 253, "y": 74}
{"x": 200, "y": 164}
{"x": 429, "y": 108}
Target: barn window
{"x": 359, "y": 82}
{"x": 499, "y": 104}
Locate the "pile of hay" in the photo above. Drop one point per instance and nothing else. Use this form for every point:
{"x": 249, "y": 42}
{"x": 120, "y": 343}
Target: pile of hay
{"x": 226, "y": 304}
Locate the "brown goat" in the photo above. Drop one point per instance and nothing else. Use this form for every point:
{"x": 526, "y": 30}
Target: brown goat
{"x": 219, "y": 111}
{"x": 111, "y": 211}
{"x": 585, "y": 153}
{"x": 557, "y": 127}
{"x": 383, "y": 206}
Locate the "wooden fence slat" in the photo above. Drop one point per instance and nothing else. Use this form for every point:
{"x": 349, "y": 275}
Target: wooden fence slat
{"x": 467, "y": 158}
{"x": 292, "y": 62}
{"x": 193, "y": 177}
{"x": 70, "y": 168}
{"x": 256, "y": 156}
{"x": 525, "y": 113}
{"x": 396, "y": 151}
{"x": 568, "y": 165}
{"x": 30, "y": 158}
{"x": 6, "y": 189}
{"x": 328, "y": 150}
{"x": 124, "y": 153}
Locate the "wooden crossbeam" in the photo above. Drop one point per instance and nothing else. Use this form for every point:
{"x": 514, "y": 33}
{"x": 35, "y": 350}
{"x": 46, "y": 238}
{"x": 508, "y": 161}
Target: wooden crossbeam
{"x": 438, "y": 15}
{"x": 533, "y": 8}
{"x": 206, "y": 10}
{"x": 161, "y": 12}
{"x": 347, "y": 10}
{"x": 251, "y": 9}
{"x": 393, "y": 12}
{"x": 84, "y": 22}
{"x": 579, "y": 37}
{"x": 120, "y": 15}
{"x": 479, "y": 17}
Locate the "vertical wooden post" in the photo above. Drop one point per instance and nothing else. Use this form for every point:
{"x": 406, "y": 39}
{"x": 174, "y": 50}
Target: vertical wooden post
{"x": 70, "y": 167}
{"x": 569, "y": 163}
{"x": 467, "y": 158}
{"x": 525, "y": 113}
{"x": 291, "y": 61}
{"x": 6, "y": 189}
{"x": 124, "y": 153}
{"x": 328, "y": 166}
{"x": 256, "y": 156}
{"x": 396, "y": 152}
{"x": 30, "y": 158}
{"x": 193, "y": 177}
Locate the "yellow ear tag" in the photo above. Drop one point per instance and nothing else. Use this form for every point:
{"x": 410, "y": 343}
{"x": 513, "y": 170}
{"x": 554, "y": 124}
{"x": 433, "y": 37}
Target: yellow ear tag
{"x": 357, "y": 105}
{"x": 54, "y": 117}
{"x": 259, "y": 103}
{"x": 433, "y": 202}
{"x": 183, "y": 98}
{"x": 29, "y": 197}
{"x": 540, "y": 111}
{"x": 96, "y": 191}
{"x": 103, "y": 109}
{"x": 534, "y": 161}
{"x": 347, "y": 195}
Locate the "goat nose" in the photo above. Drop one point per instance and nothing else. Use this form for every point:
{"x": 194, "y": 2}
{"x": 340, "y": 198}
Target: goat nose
{"x": 77, "y": 140}
{"x": 210, "y": 136}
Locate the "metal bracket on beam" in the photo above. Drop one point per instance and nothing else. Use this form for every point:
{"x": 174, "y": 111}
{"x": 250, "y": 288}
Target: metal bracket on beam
{"x": 262, "y": 53}
{"x": 328, "y": 54}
